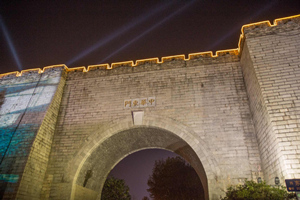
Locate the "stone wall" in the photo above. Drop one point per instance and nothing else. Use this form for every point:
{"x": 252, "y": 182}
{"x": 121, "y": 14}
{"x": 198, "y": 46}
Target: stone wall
{"x": 29, "y": 108}
{"x": 271, "y": 66}
{"x": 207, "y": 95}
{"x": 234, "y": 116}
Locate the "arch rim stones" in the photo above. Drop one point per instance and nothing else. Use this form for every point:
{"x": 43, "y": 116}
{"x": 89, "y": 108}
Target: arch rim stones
{"x": 180, "y": 130}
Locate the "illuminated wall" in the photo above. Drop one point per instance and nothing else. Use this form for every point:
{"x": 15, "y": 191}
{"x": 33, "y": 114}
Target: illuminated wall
{"x": 25, "y": 106}
{"x": 271, "y": 66}
{"x": 238, "y": 110}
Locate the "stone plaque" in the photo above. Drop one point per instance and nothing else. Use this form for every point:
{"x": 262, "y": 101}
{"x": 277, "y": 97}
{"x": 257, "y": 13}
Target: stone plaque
{"x": 139, "y": 102}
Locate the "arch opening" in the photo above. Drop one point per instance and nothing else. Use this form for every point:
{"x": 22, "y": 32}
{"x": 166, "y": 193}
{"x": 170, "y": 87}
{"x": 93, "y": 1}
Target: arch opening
{"x": 108, "y": 153}
{"x": 178, "y": 176}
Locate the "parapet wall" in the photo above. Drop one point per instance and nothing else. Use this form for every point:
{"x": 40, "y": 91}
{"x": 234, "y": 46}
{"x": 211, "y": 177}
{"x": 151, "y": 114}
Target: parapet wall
{"x": 229, "y": 55}
{"x": 50, "y": 110}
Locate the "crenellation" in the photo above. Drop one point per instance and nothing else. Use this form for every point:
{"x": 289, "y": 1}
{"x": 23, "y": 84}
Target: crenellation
{"x": 30, "y": 72}
{"x": 285, "y": 26}
{"x": 54, "y": 68}
{"x": 147, "y": 61}
{"x": 173, "y": 58}
{"x": 153, "y": 64}
{"x": 233, "y": 115}
{"x": 8, "y": 75}
{"x": 98, "y": 67}
{"x": 248, "y": 31}
{"x": 122, "y": 64}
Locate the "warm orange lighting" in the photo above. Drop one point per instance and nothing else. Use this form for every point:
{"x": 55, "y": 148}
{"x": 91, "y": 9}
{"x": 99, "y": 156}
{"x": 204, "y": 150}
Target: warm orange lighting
{"x": 260, "y": 24}
{"x": 171, "y": 58}
{"x": 207, "y": 54}
{"x": 9, "y": 73}
{"x": 53, "y": 66}
{"x": 148, "y": 60}
{"x": 101, "y": 66}
{"x": 119, "y": 64}
{"x": 38, "y": 70}
{"x": 77, "y": 69}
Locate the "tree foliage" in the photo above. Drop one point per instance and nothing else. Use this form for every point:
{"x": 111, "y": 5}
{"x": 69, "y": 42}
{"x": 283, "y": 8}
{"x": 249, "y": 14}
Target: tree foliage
{"x": 251, "y": 190}
{"x": 174, "y": 179}
{"x": 115, "y": 189}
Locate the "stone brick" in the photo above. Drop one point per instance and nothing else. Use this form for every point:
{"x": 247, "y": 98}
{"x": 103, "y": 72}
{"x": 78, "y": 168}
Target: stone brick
{"x": 233, "y": 116}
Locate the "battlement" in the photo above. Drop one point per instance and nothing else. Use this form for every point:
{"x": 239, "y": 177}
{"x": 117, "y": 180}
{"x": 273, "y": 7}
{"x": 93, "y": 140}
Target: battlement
{"x": 247, "y": 31}
{"x": 32, "y": 71}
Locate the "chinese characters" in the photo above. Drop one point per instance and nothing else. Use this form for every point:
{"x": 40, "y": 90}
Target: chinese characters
{"x": 292, "y": 184}
{"x": 139, "y": 103}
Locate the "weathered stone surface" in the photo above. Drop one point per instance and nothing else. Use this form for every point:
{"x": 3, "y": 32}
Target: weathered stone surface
{"x": 28, "y": 115}
{"x": 271, "y": 66}
{"x": 233, "y": 116}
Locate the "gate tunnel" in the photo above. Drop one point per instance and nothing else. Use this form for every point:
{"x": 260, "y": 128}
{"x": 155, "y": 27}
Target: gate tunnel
{"x": 112, "y": 150}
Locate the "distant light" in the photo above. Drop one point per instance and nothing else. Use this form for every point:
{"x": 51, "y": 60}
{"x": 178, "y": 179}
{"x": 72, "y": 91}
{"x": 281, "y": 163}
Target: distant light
{"x": 119, "y": 32}
{"x": 246, "y": 21}
{"x": 10, "y": 44}
{"x": 148, "y": 30}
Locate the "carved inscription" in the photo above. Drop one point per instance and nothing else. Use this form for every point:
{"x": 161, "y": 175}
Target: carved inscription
{"x": 127, "y": 103}
{"x": 139, "y": 103}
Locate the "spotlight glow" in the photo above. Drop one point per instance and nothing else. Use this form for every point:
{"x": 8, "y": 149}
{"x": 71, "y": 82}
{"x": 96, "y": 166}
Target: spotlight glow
{"x": 120, "y": 31}
{"x": 10, "y": 44}
{"x": 148, "y": 30}
{"x": 235, "y": 29}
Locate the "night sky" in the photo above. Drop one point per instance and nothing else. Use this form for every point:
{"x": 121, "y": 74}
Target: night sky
{"x": 77, "y": 33}
{"x": 35, "y": 34}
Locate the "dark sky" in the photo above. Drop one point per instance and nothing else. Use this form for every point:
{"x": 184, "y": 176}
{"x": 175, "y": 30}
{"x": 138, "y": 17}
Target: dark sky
{"x": 136, "y": 168}
{"x": 44, "y": 33}
{"x": 81, "y": 33}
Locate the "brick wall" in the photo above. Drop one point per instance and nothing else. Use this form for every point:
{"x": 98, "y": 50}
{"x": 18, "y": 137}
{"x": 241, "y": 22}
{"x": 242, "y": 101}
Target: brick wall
{"x": 224, "y": 114}
{"x": 207, "y": 95}
{"x": 27, "y": 125}
{"x": 271, "y": 66}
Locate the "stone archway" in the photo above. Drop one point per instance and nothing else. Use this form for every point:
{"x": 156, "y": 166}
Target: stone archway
{"x": 102, "y": 152}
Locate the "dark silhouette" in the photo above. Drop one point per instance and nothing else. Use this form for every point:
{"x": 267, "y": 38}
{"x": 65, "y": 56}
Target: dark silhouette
{"x": 88, "y": 175}
{"x": 115, "y": 189}
{"x": 174, "y": 179}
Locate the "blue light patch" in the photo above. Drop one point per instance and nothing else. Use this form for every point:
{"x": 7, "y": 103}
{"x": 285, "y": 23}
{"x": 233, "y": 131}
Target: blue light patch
{"x": 9, "y": 178}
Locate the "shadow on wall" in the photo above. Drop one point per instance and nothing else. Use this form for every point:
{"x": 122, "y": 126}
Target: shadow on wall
{"x": 2, "y": 97}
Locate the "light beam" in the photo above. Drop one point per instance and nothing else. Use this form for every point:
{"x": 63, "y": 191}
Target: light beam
{"x": 148, "y": 30}
{"x": 10, "y": 44}
{"x": 235, "y": 29}
{"x": 120, "y": 31}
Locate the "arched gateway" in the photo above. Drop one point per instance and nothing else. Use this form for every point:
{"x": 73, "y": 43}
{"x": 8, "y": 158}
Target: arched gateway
{"x": 101, "y": 152}
{"x": 233, "y": 116}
